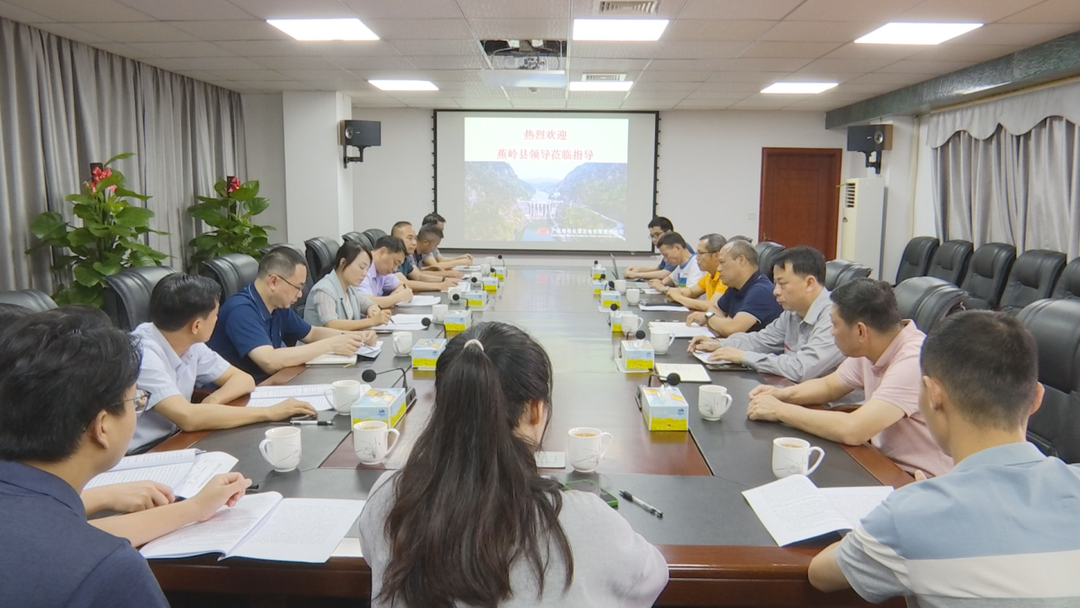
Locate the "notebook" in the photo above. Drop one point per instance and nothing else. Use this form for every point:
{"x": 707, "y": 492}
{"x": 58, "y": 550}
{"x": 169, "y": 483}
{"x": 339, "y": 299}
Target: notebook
{"x": 315, "y": 394}
{"x": 793, "y": 509}
{"x": 185, "y": 471}
{"x": 365, "y": 351}
{"x": 691, "y": 372}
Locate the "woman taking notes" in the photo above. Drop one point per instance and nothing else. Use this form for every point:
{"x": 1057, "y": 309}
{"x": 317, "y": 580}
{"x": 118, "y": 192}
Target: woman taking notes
{"x": 334, "y": 302}
{"x": 470, "y": 522}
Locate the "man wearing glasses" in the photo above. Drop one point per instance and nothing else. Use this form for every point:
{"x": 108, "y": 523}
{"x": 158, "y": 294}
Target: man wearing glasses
{"x": 255, "y": 324}
{"x": 709, "y": 285}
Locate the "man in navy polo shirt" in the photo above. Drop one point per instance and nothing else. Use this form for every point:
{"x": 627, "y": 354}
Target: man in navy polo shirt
{"x": 254, "y": 325}
{"x": 658, "y": 227}
{"x": 748, "y": 304}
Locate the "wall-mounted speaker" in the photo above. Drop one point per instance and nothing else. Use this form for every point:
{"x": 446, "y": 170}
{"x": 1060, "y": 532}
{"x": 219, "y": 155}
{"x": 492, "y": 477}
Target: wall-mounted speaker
{"x": 869, "y": 138}
{"x": 362, "y": 133}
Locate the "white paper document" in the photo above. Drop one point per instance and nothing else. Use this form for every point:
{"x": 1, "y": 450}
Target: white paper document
{"x": 793, "y": 509}
{"x": 649, "y": 291}
{"x": 365, "y": 351}
{"x": 315, "y": 394}
{"x": 663, "y": 307}
{"x": 689, "y": 372}
{"x": 418, "y": 301}
{"x": 265, "y": 526}
{"x": 185, "y": 471}
{"x": 680, "y": 330}
{"x": 404, "y": 322}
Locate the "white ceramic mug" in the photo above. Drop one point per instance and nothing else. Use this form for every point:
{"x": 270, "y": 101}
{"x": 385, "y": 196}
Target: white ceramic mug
{"x": 630, "y": 323}
{"x": 620, "y": 285}
{"x": 633, "y": 296}
{"x": 661, "y": 340}
{"x": 281, "y": 448}
{"x": 438, "y": 312}
{"x": 492, "y": 262}
{"x": 370, "y": 441}
{"x": 791, "y": 456}
{"x": 586, "y": 446}
{"x": 713, "y": 401}
{"x": 342, "y": 395}
{"x": 403, "y": 342}
{"x": 485, "y": 269}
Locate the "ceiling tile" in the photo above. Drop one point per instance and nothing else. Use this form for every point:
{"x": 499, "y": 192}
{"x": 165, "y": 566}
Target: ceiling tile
{"x": 172, "y": 65}
{"x": 214, "y": 31}
{"x": 450, "y": 75}
{"x": 965, "y": 52}
{"x": 808, "y": 105}
{"x": 810, "y": 50}
{"x": 878, "y": 11}
{"x": 587, "y": 9}
{"x": 762, "y": 101}
{"x": 404, "y": 9}
{"x": 701, "y": 65}
{"x": 513, "y": 9}
{"x": 188, "y": 10}
{"x": 667, "y": 96}
{"x": 819, "y": 31}
{"x": 517, "y": 93}
{"x": 219, "y": 63}
{"x": 290, "y": 9}
{"x": 926, "y": 67}
{"x": 965, "y": 11}
{"x": 436, "y": 62}
{"x": 321, "y": 75}
{"x": 21, "y": 14}
{"x": 697, "y": 49}
{"x": 893, "y": 52}
{"x": 655, "y": 104}
{"x": 743, "y": 88}
{"x": 766, "y": 65}
{"x": 138, "y": 32}
{"x": 371, "y": 63}
{"x": 608, "y": 65}
{"x": 1022, "y": 34}
{"x": 631, "y": 75}
{"x": 74, "y": 11}
{"x": 517, "y": 29}
{"x": 378, "y": 103}
{"x": 820, "y": 76}
{"x": 848, "y": 65}
{"x": 701, "y": 105}
{"x": 685, "y": 87}
{"x": 251, "y": 75}
{"x": 738, "y": 9}
{"x": 1050, "y": 11}
{"x": 754, "y": 77}
{"x": 717, "y": 29}
{"x": 614, "y": 50}
{"x": 119, "y": 48}
{"x": 294, "y": 63}
{"x": 437, "y": 47}
{"x": 897, "y": 79}
{"x": 676, "y": 76}
{"x": 483, "y": 104}
{"x": 731, "y": 96}
{"x": 72, "y": 32}
{"x": 277, "y": 85}
{"x": 179, "y": 49}
{"x": 421, "y": 29}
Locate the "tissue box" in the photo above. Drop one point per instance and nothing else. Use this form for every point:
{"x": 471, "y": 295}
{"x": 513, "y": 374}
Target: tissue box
{"x": 609, "y": 297}
{"x": 500, "y": 273}
{"x": 491, "y": 284}
{"x": 425, "y": 353}
{"x": 599, "y": 272}
{"x": 476, "y": 299}
{"x": 457, "y": 320}
{"x": 664, "y": 408}
{"x": 383, "y": 404}
{"x": 638, "y": 354}
{"x": 598, "y": 287}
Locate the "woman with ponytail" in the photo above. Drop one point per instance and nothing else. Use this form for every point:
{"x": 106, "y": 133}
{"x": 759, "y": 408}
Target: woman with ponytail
{"x": 470, "y": 522}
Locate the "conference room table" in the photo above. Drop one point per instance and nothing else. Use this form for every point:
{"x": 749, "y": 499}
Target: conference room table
{"x": 718, "y": 552}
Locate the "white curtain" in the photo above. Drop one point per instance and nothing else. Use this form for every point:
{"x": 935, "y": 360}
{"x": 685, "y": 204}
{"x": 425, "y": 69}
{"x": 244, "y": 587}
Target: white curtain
{"x": 64, "y": 105}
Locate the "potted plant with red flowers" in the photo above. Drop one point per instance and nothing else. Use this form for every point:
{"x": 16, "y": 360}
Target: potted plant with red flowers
{"x": 230, "y": 217}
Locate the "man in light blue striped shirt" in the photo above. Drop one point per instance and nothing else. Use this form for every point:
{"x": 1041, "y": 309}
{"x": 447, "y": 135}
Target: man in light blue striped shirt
{"x": 1003, "y": 527}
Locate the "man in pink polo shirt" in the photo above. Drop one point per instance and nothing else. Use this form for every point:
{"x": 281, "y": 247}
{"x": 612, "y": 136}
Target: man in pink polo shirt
{"x": 883, "y": 361}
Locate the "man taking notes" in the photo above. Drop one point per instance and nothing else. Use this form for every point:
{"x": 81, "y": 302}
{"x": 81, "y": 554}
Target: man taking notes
{"x": 710, "y": 285}
{"x": 658, "y": 227}
{"x": 175, "y": 358}
{"x": 748, "y": 303}
{"x": 427, "y": 243}
{"x": 437, "y": 260}
{"x": 407, "y": 272}
{"x": 677, "y": 254}
{"x": 1001, "y": 528}
{"x": 883, "y": 361}
{"x": 382, "y": 285}
{"x": 798, "y": 345}
{"x": 255, "y": 324}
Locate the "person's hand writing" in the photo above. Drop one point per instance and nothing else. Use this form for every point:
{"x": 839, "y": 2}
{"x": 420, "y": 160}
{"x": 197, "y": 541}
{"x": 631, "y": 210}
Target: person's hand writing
{"x": 404, "y": 294}
{"x": 382, "y": 316}
{"x": 766, "y": 408}
{"x": 345, "y": 344}
{"x": 702, "y": 343}
{"x": 727, "y": 353}
{"x": 368, "y": 337}
{"x": 221, "y": 490}
{"x": 289, "y": 408}
{"x": 132, "y": 496}
{"x": 696, "y": 318}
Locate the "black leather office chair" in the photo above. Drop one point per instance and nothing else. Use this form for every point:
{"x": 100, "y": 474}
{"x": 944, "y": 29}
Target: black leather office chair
{"x": 838, "y": 272}
{"x": 987, "y": 274}
{"x": 1068, "y": 285}
{"x": 359, "y": 237}
{"x": 918, "y": 254}
{"x": 233, "y": 271}
{"x": 1055, "y": 428}
{"x": 37, "y": 301}
{"x": 951, "y": 261}
{"x": 127, "y": 294}
{"x": 374, "y": 234}
{"x": 269, "y": 248}
{"x": 320, "y": 255}
{"x": 928, "y": 300}
{"x": 767, "y": 251}
{"x": 1033, "y": 277}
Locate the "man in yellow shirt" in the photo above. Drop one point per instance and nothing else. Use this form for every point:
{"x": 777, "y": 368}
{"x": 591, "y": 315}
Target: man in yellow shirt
{"x": 710, "y": 285}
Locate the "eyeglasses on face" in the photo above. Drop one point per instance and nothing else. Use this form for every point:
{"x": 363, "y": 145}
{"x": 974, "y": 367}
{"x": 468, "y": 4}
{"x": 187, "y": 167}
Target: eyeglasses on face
{"x": 287, "y": 282}
{"x": 141, "y": 400}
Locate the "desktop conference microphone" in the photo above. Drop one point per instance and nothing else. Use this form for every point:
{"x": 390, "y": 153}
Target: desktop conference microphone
{"x": 369, "y": 375}
{"x": 426, "y": 322}
{"x": 671, "y": 379}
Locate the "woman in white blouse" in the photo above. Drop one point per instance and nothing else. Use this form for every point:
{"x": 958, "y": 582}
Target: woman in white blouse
{"x": 334, "y": 302}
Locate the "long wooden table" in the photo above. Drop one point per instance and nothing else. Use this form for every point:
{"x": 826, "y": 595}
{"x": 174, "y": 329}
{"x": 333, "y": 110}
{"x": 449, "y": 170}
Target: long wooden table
{"x": 718, "y": 552}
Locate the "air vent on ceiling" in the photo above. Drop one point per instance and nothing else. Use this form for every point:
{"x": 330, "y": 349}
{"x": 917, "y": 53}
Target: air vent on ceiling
{"x": 627, "y": 7}
{"x": 602, "y": 77}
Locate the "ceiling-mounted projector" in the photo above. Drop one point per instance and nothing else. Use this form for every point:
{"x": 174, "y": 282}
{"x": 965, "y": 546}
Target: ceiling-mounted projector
{"x": 525, "y": 63}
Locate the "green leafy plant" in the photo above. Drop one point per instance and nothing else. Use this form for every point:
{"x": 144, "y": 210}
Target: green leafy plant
{"x": 109, "y": 240}
{"x": 230, "y": 215}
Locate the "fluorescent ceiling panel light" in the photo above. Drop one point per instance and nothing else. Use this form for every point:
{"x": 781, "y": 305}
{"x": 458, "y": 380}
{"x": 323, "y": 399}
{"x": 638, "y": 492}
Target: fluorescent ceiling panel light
{"x": 917, "y": 33}
{"x": 799, "y": 88}
{"x": 633, "y": 30}
{"x": 324, "y": 29}
{"x": 598, "y": 85}
{"x": 404, "y": 85}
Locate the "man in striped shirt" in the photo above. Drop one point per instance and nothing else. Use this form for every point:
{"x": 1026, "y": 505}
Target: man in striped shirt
{"x": 1003, "y": 527}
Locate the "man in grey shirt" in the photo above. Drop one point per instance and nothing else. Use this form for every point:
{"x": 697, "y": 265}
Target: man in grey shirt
{"x": 798, "y": 345}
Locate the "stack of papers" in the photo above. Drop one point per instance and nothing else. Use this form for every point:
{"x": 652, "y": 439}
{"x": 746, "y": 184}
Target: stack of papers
{"x": 403, "y": 323}
{"x": 794, "y": 509}
{"x": 265, "y": 526}
{"x": 185, "y": 471}
{"x": 368, "y": 352}
{"x": 315, "y": 394}
{"x": 418, "y": 301}
{"x": 663, "y": 307}
{"x": 687, "y": 372}
{"x": 680, "y": 330}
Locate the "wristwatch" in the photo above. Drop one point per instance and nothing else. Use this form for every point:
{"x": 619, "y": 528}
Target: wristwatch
{"x": 709, "y": 315}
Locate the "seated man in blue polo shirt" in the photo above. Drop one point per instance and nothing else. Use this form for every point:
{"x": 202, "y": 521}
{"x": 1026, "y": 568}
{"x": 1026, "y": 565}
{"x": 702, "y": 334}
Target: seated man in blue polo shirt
{"x": 658, "y": 227}
{"x": 748, "y": 304}
{"x": 255, "y": 324}
{"x": 1000, "y": 529}
{"x": 183, "y": 314}
{"x": 409, "y": 272}
{"x": 68, "y": 406}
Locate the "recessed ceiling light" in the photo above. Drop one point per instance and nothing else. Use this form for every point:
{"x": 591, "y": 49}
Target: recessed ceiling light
{"x": 404, "y": 85}
{"x": 803, "y": 88}
{"x": 324, "y": 29}
{"x": 619, "y": 29}
{"x": 917, "y": 33}
{"x": 600, "y": 85}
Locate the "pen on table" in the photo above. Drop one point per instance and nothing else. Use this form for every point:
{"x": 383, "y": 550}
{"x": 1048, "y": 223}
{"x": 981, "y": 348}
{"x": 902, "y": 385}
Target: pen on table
{"x": 313, "y": 422}
{"x": 641, "y": 503}
{"x": 252, "y": 489}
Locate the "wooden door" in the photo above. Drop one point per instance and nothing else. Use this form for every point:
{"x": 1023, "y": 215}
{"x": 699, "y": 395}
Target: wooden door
{"x": 800, "y": 197}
